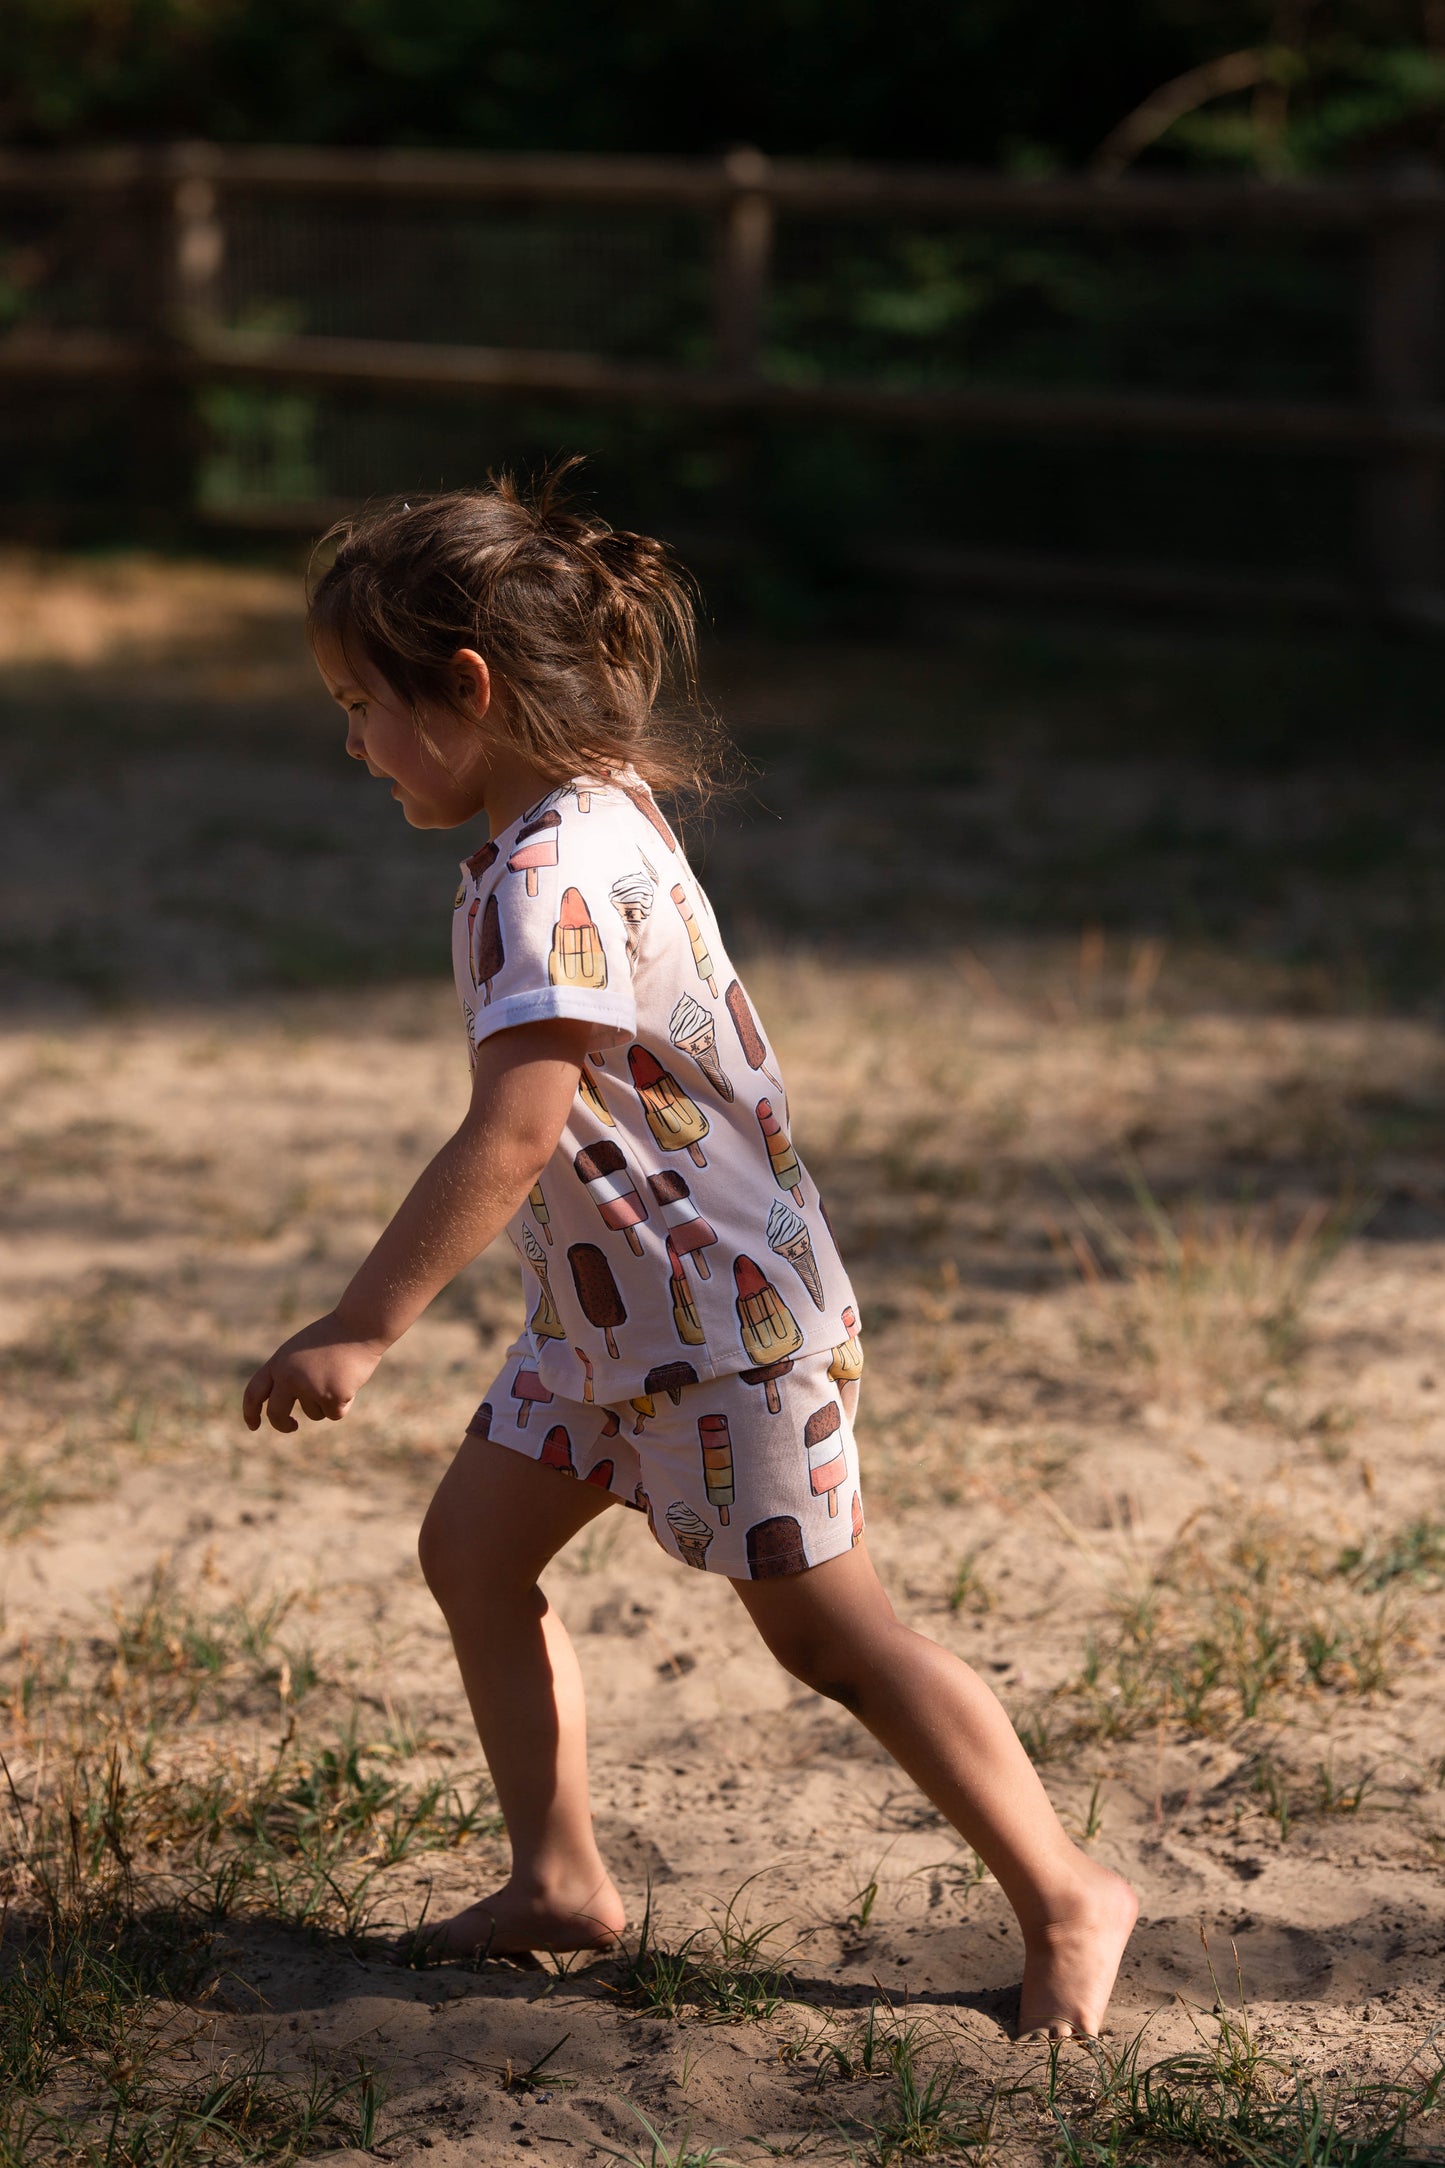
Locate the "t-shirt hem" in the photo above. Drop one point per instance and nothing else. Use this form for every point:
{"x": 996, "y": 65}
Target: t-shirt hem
{"x": 615, "y": 1021}
{"x": 613, "y": 1385}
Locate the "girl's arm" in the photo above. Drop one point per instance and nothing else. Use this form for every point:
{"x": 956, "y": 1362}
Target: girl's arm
{"x": 522, "y": 1093}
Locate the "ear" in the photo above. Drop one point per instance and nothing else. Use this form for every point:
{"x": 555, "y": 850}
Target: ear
{"x": 472, "y": 681}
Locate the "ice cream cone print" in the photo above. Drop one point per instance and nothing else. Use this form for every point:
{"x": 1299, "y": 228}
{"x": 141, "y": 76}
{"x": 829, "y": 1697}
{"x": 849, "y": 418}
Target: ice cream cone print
{"x": 676, "y": 1124}
{"x": 601, "y": 1473}
{"x": 823, "y": 1445}
{"x": 775, "y": 1547}
{"x": 489, "y": 955}
{"x": 786, "y": 1171}
{"x": 557, "y": 1451}
{"x": 597, "y": 1291}
{"x": 578, "y": 957}
{"x": 646, "y": 1408}
{"x": 715, "y": 1439}
{"x": 631, "y": 898}
{"x": 528, "y": 1389}
{"x": 768, "y": 1327}
{"x": 685, "y": 1321}
{"x": 857, "y": 1520}
{"x": 690, "y": 1532}
{"x": 745, "y": 1024}
{"x": 536, "y": 846}
{"x": 670, "y": 1378}
{"x": 767, "y": 1375}
{"x": 604, "y": 1174}
{"x": 544, "y": 1323}
{"x": 647, "y": 807}
{"x": 701, "y": 955}
{"x": 847, "y": 1363}
{"x": 788, "y": 1238}
{"x": 688, "y": 1233}
{"x": 460, "y": 897}
{"x": 482, "y": 861}
{"x": 592, "y": 1099}
{"x": 540, "y": 1213}
{"x": 480, "y": 1425}
{"x": 693, "y": 1032}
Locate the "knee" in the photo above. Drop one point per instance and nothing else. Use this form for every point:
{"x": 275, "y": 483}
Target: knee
{"x": 821, "y": 1665}
{"x": 459, "y": 1565}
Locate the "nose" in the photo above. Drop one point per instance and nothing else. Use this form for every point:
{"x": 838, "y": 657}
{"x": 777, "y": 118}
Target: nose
{"x": 355, "y": 739}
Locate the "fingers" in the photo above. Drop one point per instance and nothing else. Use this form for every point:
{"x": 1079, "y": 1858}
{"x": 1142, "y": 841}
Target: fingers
{"x": 275, "y": 1396}
{"x": 255, "y": 1397}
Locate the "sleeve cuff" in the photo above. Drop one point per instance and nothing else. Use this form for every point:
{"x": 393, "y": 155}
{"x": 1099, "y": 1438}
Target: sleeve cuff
{"x": 614, "y": 1022}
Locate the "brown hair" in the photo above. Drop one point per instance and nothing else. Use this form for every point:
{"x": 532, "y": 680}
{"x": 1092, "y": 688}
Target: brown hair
{"x": 580, "y": 626}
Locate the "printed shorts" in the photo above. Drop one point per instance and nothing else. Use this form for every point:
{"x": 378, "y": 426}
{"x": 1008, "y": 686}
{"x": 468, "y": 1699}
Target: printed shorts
{"x": 745, "y": 1479}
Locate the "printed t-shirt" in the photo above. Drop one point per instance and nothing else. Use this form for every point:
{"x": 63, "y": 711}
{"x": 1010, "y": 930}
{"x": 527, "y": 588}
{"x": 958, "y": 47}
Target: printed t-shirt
{"x": 674, "y": 1234}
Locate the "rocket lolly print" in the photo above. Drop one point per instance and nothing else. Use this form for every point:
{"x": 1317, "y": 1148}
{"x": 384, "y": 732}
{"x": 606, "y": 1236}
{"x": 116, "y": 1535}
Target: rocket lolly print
{"x": 536, "y": 846}
{"x": 701, "y": 955}
{"x": 592, "y": 1099}
{"x": 489, "y": 955}
{"x": 577, "y": 958}
{"x": 768, "y": 1327}
{"x": 767, "y": 1376}
{"x": 597, "y": 1291}
{"x": 670, "y": 1378}
{"x": 604, "y": 1172}
{"x": 847, "y": 1363}
{"x": 788, "y": 1237}
{"x": 715, "y": 1439}
{"x": 693, "y": 1032}
{"x": 823, "y": 1444}
{"x": 786, "y": 1171}
{"x": 688, "y": 1233}
{"x": 527, "y": 1387}
{"x": 676, "y": 1124}
{"x": 685, "y": 1321}
{"x": 539, "y": 1209}
{"x": 601, "y": 1473}
{"x": 690, "y": 1532}
{"x": 631, "y": 898}
{"x": 557, "y": 1451}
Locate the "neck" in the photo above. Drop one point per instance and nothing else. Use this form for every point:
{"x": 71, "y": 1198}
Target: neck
{"x": 512, "y": 785}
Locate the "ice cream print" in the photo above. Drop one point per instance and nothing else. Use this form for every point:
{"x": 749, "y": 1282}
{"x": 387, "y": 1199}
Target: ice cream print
{"x": 768, "y": 1327}
{"x": 604, "y": 1173}
{"x": 847, "y": 1362}
{"x": 688, "y": 1233}
{"x": 690, "y": 1532}
{"x": 672, "y": 1379}
{"x": 631, "y": 899}
{"x": 775, "y": 1546}
{"x": 578, "y": 957}
{"x": 593, "y": 1100}
{"x": 536, "y": 846}
{"x": 482, "y": 861}
{"x": 745, "y": 1024}
{"x": 597, "y": 1292}
{"x": 488, "y": 955}
{"x": 786, "y": 1171}
{"x": 676, "y": 1124}
{"x": 767, "y": 1375}
{"x": 715, "y": 1438}
{"x": 788, "y": 1238}
{"x": 693, "y": 1032}
{"x": 685, "y": 1321}
{"x": 700, "y": 954}
{"x": 538, "y": 1202}
{"x": 823, "y": 1445}
{"x": 557, "y": 1450}
{"x": 528, "y": 1391}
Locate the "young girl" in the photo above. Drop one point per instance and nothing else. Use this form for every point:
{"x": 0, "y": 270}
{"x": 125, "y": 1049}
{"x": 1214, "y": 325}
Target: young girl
{"x": 693, "y": 1344}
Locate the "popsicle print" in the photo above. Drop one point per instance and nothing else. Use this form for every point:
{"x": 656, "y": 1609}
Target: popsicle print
{"x": 768, "y": 1327}
{"x": 670, "y": 1378}
{"x": 529, "y": 1391}
{"x": 767, "y": 1375}
{"x": 593, "y": 1100}
{"x": 646, "y": 1408}
{"x": 693, "y": 1032}
{"x": 601, "y": 1473}
{"x": 489, "y": 955}
{"x": 536, "y": 846}
{"x": 685, "y": 1321}
{"x": 745, "y": 1024}
{"x": 823, "y": 1446}
{"x": 644, "y": 802}
{"x": 480, "y": 1425}
{"x": 786, "y": 1171}
{"x": 775, "y": 1547}
{"x": 557, "y": 1451}
{"x": 644, "y": 1505}
{"x": 604, "y": 1173}
{"x": 688, "y": 1233}
{"x": 676, "y": 1123}
{"x": 788, "y": 1238}
{"x": 690, "y": 1532}
{"x": 482, "y": 861}
{"x": 586, "y": 1361}
{"x": 857, "y": 1520}
{"x": 847, "y": 1363}
{"x": 540, "y": 1212}
{"x": 701, "y": 954}
{"x": 715, "y": 1439}
{"x": 578, "y": 957}
{"x": 631, "y": 899}
{"x": 473, "y": 910}
{"x": 597, "y": 1291}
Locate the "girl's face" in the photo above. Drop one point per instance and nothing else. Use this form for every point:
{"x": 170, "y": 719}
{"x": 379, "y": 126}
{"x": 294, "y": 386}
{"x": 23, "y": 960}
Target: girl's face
{"x": 437, "y": 786}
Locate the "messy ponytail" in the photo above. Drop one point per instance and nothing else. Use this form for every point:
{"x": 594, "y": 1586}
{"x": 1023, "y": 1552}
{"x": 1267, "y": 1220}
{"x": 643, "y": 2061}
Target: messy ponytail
{"x": 583, "y": 628}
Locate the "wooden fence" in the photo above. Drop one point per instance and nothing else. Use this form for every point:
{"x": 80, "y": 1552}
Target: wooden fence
{"x": 180, "y": 195}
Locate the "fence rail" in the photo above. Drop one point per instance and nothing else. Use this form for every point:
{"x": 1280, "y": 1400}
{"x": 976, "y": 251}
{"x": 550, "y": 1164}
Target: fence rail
{"x": 180, "y": 196}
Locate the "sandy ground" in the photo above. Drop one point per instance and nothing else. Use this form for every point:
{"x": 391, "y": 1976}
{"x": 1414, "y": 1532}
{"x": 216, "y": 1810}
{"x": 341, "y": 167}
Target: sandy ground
{"x": 1150, "y": 1435}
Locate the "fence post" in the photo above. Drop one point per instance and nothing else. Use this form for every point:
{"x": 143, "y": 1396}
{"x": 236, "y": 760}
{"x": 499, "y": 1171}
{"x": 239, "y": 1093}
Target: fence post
{"x": 745, "y": 247}
{"x": 1401, "y": 493}
{"x": 182, "y": 256}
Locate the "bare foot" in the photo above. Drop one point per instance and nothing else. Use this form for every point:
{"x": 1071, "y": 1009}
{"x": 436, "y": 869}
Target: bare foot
{"x": 512, "y": 1921}
{"x": 1071, "y": 1961}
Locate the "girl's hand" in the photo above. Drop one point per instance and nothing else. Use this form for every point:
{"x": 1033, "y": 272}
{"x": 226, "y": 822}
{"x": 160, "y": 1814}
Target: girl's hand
{"x": 320, "y": 1370}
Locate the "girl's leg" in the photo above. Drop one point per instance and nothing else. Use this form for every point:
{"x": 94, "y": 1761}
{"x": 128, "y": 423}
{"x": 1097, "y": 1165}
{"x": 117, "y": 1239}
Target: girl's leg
{"x": 496, "y": 1520}
{"x": 834, "y": 1628}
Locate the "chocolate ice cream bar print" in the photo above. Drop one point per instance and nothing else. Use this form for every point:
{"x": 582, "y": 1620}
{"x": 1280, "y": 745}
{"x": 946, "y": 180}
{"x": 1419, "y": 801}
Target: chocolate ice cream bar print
{"x": 715, "y": 1439}
{"x": 604, "y": 1173}
{"x": 528, "y": 1388}
{"x": 788, "y": 1238}
{"x": 649, "y": 812}
{"x": 557, "y": 1451}
{"x": 823, "y": 1445}
{"x": 536, "y": 846}
{"x": 597, "y": 1291}
{"x": 690, "y": 1532}
{"x": 677, "y": 1124}
{"x": 767, "y": 1375}
{"x": 539, "y": 1209}
{"x": 701, "y": 955}
{"x": 578, "y": 957}
{"x": 480, "y": 1425}
{"x": 489, "y": 955}
{"x": 786, "y": 1171}
{"x": 482, "y": 861}
{"x": 631, "y": 899}
{"x": 775, "y": 1547}
{"x": 745, "y": 1024}
{"x": 669, "y": 1378}
{"x": 768, "y": 1327}
{"x": 688, "y": 1233}
{"x": 693, "y": 1032}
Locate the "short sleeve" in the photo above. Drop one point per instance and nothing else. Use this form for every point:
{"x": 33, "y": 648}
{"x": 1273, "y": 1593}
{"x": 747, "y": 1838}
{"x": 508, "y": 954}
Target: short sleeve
{"x": 544, "y": 939}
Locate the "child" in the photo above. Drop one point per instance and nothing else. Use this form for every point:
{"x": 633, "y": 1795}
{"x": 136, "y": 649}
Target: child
{"x": 693, "y": 1348}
